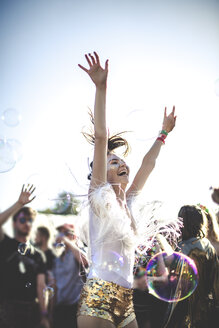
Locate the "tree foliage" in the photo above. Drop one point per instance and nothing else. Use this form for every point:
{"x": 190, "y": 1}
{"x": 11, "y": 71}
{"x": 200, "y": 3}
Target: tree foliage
{"x": 64, "y": 204}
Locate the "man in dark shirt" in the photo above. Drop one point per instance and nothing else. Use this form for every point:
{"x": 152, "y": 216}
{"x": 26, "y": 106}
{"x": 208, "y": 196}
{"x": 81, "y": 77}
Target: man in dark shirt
{"x": 22, "y": 270}
{"x": 42, "y": 242}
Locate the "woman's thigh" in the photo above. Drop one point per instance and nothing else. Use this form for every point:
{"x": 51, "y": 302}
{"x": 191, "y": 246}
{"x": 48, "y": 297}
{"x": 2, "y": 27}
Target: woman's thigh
{"x": 94, "y": 322}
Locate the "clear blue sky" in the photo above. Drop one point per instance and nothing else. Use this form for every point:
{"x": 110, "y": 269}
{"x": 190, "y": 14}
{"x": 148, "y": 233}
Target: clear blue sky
{"x": 161, "y": 53}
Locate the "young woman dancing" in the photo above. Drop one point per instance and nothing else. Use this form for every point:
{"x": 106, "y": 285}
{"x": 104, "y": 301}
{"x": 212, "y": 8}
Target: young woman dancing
{"x": 106, "y": 299}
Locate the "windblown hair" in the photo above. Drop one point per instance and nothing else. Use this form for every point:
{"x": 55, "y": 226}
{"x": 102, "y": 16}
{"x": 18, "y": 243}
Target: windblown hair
{"x": 194, "y": 222}
{"x": 114, "y": 142}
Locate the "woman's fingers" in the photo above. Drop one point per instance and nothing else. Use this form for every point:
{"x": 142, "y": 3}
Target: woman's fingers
{"x": 88, "y": 60}
{"x": 171, "y": 114}
{"x": 97, "y": 58}
{"x": 165, "y": 112}
{"x": 91, "y": 61}
{"x": 92, "y": 58}
{"x": 82, "y": 67}
{"x": 106, "y": 64}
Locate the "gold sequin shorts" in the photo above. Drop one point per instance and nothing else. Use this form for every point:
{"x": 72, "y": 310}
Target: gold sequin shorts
{"x": 107, "y": 300}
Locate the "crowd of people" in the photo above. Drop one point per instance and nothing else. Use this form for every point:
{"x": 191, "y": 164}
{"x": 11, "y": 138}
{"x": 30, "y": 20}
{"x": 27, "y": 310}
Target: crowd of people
{"x": 101, "y": 282}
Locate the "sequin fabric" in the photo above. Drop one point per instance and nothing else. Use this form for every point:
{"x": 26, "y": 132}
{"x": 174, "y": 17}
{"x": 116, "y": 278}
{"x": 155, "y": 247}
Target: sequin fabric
{"x": 107, "y": 300}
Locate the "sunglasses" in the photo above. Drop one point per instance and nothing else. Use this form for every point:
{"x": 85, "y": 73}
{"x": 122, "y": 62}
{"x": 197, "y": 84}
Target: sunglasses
{"x": 69, "y": 233}
{"x": 23, "y": 220}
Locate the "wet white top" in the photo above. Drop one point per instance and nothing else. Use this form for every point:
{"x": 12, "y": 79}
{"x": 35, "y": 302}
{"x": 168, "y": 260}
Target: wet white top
{"x": 111, "y": 240}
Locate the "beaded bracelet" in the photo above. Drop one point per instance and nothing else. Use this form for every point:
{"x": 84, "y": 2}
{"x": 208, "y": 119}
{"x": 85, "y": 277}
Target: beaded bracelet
{"x": 164, "y": 132}
{"x": 161, "y": 139}
{"x": 162, "y": 136}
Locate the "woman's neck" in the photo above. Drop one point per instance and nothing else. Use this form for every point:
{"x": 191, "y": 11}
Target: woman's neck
{"x": 120, "y": 193}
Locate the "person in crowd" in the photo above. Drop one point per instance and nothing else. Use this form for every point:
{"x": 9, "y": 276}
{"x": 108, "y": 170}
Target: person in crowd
{"x": 212, "y": 228}
{"x": 147, "y": 305}
{"x": 69, "y": 269}
{"x": 23, "y": 271}
{"x": 213, "y": 231}
{"x": 200, "y": 309}
{"x": 106, "y": 298}
{"x": 215, "y": 198}
{"x": 42, "y": 242}
{"x": 42, "y": 239}
{"x": 215, "y": 195}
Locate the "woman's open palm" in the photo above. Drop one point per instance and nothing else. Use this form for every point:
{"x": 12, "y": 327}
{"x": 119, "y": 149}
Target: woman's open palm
{"x": 97, "y": 74}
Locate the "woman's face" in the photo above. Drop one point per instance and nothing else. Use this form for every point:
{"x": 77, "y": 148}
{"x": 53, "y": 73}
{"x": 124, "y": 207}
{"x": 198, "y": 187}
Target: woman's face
{"x": 117, "y": 170}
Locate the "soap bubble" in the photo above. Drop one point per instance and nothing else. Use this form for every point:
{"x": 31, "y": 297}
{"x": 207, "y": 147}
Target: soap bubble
{"x": 141, "y": 261}
{"x": 48, "y": 292}
{"x": 59, "y": 248}
{"x": 11, "y": 117}
{"x": 137, "y": 121}
{"x": 113, "y": 262}
{"x": 40, "y": 181}
{"x": 23, "y": 248}
{"x": 8, "y": 156}
{"x": 171, "y": 278}
{"x": 62, "y": 204}
{"x": 28, "y": 285}
{"x": 17, "y": 148}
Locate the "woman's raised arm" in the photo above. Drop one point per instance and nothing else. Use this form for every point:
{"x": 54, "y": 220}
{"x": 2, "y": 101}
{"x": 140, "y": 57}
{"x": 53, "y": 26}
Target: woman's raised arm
{"x": 99, "y": 76}
{"x": 149, "y": 159}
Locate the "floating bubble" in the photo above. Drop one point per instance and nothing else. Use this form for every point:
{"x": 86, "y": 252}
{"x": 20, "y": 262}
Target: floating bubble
{"x": 141, "y": 261}
{"x": 78, "y": 208}
{"x": 8, "y": 156}
{"x": 62, "y": 204}
{"x": 216, "y": 87}
{"x": 23, "y": 248}
{"x": 171, "y": 278}
{"x": 141, "y": 249}
{"x": 48, "y": 292}
{"x": 17, "y": 148}
{"x": 137, "y": 121}
{"x": 59, "y": 248}
{"x": 11, "y": 117}
{"x": 140, "y": 266}
{"x": 114, "y": 262}
{"x": 40, "y": 182}
{"x": 28, "y": 285}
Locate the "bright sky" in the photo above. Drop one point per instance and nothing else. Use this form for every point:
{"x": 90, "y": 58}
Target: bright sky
{"x": 161, "y": 53}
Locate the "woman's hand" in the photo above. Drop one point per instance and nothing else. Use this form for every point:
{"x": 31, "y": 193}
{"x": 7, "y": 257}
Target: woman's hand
{"x": 169, "y": 121}
{"x": 97, "y": 74}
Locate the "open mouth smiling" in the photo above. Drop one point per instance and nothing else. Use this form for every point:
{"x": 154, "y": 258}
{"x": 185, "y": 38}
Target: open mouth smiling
{"x": 122, "y": 173}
